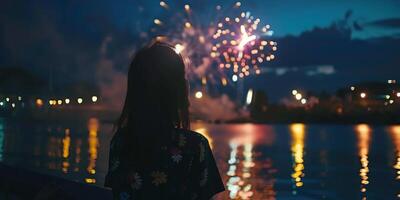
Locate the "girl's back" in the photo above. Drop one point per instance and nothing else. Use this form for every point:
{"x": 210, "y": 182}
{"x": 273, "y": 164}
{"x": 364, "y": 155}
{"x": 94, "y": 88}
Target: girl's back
{"x": 153, "y": 155}
{"x": 186, "y": 169}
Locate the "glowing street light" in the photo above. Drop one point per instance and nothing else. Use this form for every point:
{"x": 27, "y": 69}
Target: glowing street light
{"x": 303, "y": 101}
{"x": 1, "y": 103}
{"x": 79, "y": 100}
{"x": 39, "y": 102}
{"x": 363, "y": 95}
{"x": 67, "y": 101}
{"x": 13, "y": 105}
{"x": 59, "y": 102}
{"x": 198, "y": 94}
{"x": 52, "y": 102}
{"x": 298, "y": 96}
{"x": 398, "y": 94}
{"x": 352, "y": 88}
{"x": 294, "y": 92}
{"x": 8, "y": 99}
{"x": 94, "y": 99}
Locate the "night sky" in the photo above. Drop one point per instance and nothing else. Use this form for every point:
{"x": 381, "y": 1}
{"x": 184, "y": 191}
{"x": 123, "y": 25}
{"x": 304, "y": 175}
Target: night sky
{"x": 323, "y": 45}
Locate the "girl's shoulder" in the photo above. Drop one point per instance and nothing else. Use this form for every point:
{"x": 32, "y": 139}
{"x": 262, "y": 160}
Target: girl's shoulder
{"x": 193, "y": 138}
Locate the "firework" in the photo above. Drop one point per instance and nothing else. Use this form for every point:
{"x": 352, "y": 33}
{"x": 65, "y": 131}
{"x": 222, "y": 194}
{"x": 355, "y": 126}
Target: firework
{"x": 241, "y": 44}
{"x": 180, "y": 25}
{"x": 211, "y": 42}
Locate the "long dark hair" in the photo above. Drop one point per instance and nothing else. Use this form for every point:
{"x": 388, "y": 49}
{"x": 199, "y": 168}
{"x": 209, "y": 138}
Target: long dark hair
{"x": 156, "y": 101}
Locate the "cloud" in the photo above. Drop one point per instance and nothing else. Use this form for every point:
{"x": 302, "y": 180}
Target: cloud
{"x": 307, "y": 70}
{"x": 353, "y": 60}
{"x": 322, "y": 70}
{"x": 390, "y": 23}
{"x": 333, "y": 45}
{"x": 281, "y": 71}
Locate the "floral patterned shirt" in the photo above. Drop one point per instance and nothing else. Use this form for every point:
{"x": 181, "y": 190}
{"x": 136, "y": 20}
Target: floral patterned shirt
{"x": 188, "y": 172}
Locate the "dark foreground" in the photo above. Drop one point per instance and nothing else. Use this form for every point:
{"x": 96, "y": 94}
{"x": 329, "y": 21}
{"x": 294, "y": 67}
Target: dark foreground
{"x": 17, "y": 183}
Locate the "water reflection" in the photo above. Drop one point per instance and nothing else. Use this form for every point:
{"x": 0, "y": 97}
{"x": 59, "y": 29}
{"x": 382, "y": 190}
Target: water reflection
{"x": 240, "y": 171}
{"x": 363, "y": 132}
{"x": 54, "y": 152}
{"x": 1, "y": 139}
{"x": 297, "y": 132}
{"x": 93, "y": 127}
{"x": 66, "y": 145}
{"x": 395, "y": 136}
{"x": 248, "y": 156}
{"x": 78, "y": 144}
{"x": 233, "y": 180}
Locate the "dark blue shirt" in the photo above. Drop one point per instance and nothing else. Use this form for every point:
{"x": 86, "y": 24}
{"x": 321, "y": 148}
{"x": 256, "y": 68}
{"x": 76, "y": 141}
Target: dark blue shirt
{"x": 186, "y": 170}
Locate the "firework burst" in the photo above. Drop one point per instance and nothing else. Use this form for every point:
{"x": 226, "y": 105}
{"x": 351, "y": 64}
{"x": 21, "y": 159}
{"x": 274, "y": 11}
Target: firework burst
{"x": 212, "y": 42}
{"x": 181, "y": 27}
{"x": 241, "y": 44}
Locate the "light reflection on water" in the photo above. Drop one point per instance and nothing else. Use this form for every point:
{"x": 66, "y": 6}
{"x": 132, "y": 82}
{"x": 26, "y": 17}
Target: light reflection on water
{"x": 93, "y": 141}
{"x": 240, "y": 170}
{"x": 297, "y": 132}
{"x": 66, "y": 146}
{"x": 256, "y": 161}
{"x": 363, "y": 132}
{"x": 1, "y": 139}
{"x": 395, "y": 135}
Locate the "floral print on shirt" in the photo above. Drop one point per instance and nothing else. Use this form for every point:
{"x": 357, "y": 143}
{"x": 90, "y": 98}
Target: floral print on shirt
{"x": 158, "y": 178}
{"x": 186, "y": 170}
{"x": 135, "y": 181}
{"x": 176, "y": 155}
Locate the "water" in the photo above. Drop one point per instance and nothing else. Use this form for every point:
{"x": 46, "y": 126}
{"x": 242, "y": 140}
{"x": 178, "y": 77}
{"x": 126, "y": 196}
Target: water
{"x": 295, "y": 161}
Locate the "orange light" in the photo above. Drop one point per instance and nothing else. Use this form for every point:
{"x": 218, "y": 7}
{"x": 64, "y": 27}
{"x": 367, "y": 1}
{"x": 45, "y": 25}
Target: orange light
{"x": 297, "y": 132}
{"x": 39, "y": 102}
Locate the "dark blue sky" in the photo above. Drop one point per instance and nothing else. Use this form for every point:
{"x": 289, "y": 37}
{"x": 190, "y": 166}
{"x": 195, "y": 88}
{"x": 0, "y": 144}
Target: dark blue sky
{"x": 322, "y": 44}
